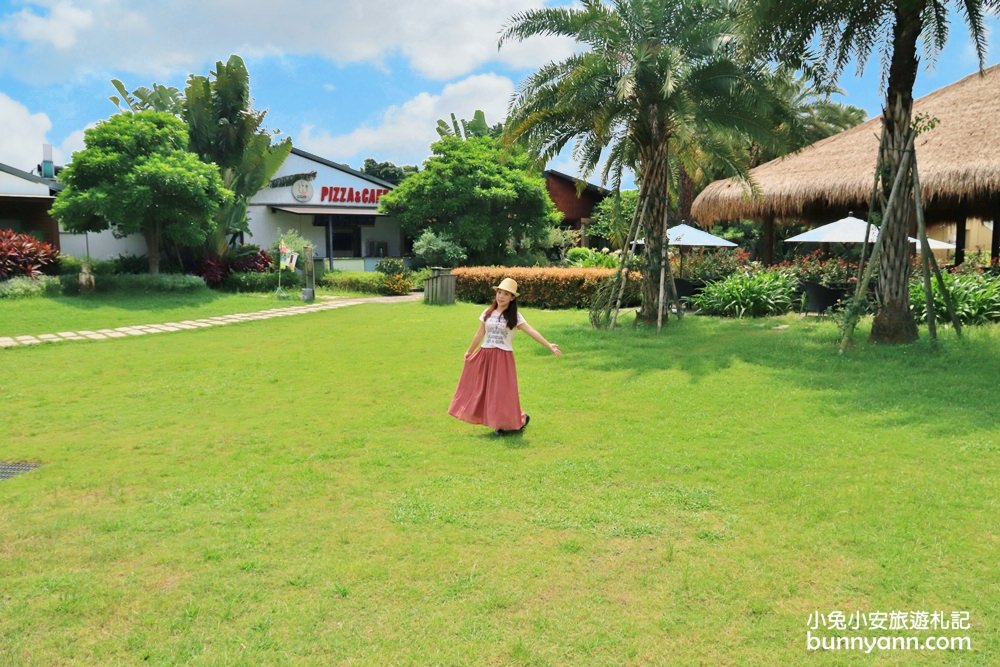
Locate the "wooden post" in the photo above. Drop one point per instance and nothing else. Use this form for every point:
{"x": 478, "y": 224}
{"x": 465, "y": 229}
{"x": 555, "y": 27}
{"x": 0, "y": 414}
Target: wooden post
{"x": 995, "y": 239}
{"x": 960, "y": 239}
{"x": 768, "y": 257}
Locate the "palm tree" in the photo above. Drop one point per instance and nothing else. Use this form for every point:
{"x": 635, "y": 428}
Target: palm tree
{"x": 659, "y": 90}
{"x": 854, "y": 28}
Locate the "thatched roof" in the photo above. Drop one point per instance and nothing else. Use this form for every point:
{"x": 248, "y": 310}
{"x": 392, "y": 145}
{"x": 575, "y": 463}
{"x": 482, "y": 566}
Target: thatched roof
{"x": 959, "y": 164}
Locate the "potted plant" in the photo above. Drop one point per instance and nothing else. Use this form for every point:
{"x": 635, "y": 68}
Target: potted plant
{"x": 824, "y": 281}
{"x": 695, "y": 267}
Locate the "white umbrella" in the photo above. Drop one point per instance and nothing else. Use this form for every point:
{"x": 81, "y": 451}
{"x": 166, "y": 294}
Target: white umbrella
{"x": 934, "y": 244}
{"x": 688, "y": 235}
{"x": 852, "y": 230}
{"x": 845, "y": 230}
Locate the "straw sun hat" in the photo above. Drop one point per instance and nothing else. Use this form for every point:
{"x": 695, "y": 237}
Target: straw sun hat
{"x": 507, "y": 285}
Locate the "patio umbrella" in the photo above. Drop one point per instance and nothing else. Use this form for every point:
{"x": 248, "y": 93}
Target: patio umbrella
{"x": 845, "y": 230}
{"x": 852, "y": 230}
{"x": 934, "y": 244}
{"x": 688, "y": 235}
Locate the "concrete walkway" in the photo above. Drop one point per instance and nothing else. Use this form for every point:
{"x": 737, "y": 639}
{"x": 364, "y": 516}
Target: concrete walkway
{"x": 324, "y": 303}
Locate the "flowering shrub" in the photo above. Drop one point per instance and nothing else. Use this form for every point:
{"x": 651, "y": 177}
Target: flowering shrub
{"x": 541, "y": 287}
{"x": 24, "y": 255}
{"x": 250, "y": 258}
{"x": 355, "y": 281}
{"x": 707, "y": 264}
{"x": 832, "y": 272}
{"x": 245, "y": 259}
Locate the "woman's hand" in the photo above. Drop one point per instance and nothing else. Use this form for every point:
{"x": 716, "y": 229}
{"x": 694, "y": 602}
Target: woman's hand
{"x": 555, "y": 349}
{"x": 470, "y": 354}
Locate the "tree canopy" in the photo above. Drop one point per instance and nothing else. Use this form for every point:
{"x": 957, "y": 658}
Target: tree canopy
{"x": 479, "y": 197}
{"x": 224, "y": 130}
{"x": 136, "y": 175}
{"x": 659, "y": 88}
{"x": 388, "y": 171}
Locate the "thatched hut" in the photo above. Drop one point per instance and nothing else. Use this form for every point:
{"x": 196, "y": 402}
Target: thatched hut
{"x": 958, "y": 160}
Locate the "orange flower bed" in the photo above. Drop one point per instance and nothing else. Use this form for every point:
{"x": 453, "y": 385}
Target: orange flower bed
{"x": 539, "y": 287}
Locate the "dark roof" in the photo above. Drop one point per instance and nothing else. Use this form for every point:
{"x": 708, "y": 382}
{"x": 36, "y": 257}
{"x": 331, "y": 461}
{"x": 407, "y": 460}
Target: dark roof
{"x": 342, "y": 167}
{"x": 588, "y": 187}
{"x": 14, "y": 171}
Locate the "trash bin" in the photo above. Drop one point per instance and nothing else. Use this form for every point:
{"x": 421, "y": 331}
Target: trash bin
{"x": 439, "y": 289}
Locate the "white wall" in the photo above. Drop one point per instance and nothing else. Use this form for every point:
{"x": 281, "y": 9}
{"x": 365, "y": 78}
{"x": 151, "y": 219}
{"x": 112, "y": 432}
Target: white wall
{"x": 103, "y": 245}
{"x": 15, "y": 185}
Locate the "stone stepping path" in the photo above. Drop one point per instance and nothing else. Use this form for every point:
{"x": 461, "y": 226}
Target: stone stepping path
{"x": 188, "y": 325}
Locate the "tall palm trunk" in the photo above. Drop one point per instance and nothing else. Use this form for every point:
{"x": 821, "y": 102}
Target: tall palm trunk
{"x": 654, "y": 184}
{"x": 894, "y": 323}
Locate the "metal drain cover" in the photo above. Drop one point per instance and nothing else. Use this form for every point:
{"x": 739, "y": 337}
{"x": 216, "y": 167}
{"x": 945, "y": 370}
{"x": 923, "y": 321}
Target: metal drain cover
{"x": 8, "y": 470}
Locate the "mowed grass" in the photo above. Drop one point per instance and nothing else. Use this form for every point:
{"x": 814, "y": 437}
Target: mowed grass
{"x": 292, "y": 491}
{"x": 32, "y": 316}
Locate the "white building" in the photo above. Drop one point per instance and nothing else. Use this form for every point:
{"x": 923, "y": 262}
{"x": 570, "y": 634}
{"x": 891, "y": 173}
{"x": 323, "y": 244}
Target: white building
{"x": 331, "y": 205}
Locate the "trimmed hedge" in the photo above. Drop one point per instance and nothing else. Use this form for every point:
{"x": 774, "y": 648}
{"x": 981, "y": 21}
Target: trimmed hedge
{"x": 260, "y": 281}
{"x": 540, "y": 287}
{"x": 368, "y": 282}
{"x": 137, "y": 282}
{"x": 22, "y": 288}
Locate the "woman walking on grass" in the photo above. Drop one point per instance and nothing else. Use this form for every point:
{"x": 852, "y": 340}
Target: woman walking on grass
{"x": 487, "y": 391}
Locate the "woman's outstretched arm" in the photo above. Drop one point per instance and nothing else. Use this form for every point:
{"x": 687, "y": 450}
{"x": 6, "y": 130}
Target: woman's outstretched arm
{"x": 528, "y": 329}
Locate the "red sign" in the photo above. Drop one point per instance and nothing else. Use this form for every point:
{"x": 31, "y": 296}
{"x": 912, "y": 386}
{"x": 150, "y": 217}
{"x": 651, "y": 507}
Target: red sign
{"x": 342, "y": 195}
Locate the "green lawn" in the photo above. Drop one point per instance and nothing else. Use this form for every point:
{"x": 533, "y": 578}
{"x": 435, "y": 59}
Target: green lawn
{"x": 19, "y": 317}
{"x": 292, "y": 491}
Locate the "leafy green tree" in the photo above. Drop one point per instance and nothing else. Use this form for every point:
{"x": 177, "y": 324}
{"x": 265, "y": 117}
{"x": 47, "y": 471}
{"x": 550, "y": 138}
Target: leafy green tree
{"x": 224, "y": 130}
{"x": 470, "y": 191}
{"x": 612, "y": 216}
{"x": 812, "y": 115}
{"x": 387, "y": 171}
{"x": 465, "y": 129}
{"x": 157, "y": 98}
{"x": 854, "y": 29}
{"x": 438, "y": 249}
{"x": 658, "y": 90}
{"x": 136, "y": 175}
{"x": 227, "y": 130}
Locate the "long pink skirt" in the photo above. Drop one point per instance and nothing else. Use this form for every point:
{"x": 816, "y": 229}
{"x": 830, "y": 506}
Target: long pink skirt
{"x": 487, "y": 391}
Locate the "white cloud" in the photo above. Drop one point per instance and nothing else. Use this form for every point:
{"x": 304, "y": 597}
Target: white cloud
{"x": 404, "y": 133}
{"x": 71, "y": 144}
{"x": 24, "y": 134}
{"x": 441, "y": 40}
{"x": 59, "y": 28}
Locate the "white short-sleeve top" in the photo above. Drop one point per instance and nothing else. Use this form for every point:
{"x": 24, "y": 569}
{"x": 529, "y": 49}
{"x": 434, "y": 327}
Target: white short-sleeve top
{"x": 497, "y": 333}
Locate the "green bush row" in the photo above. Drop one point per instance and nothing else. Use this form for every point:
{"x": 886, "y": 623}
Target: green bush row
{"x": 136, "y": 282}
{"x": 369, "y": 282}
{"x": 976, "y": 297}
{"x": 121, "y": 265}
{"x": 21, "y": 287}
{"x": 354, "y": 281}
{"x": 260, "y": 281}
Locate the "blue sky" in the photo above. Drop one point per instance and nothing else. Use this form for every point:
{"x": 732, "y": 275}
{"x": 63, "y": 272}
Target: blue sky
{"x": 345, "y": 79}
